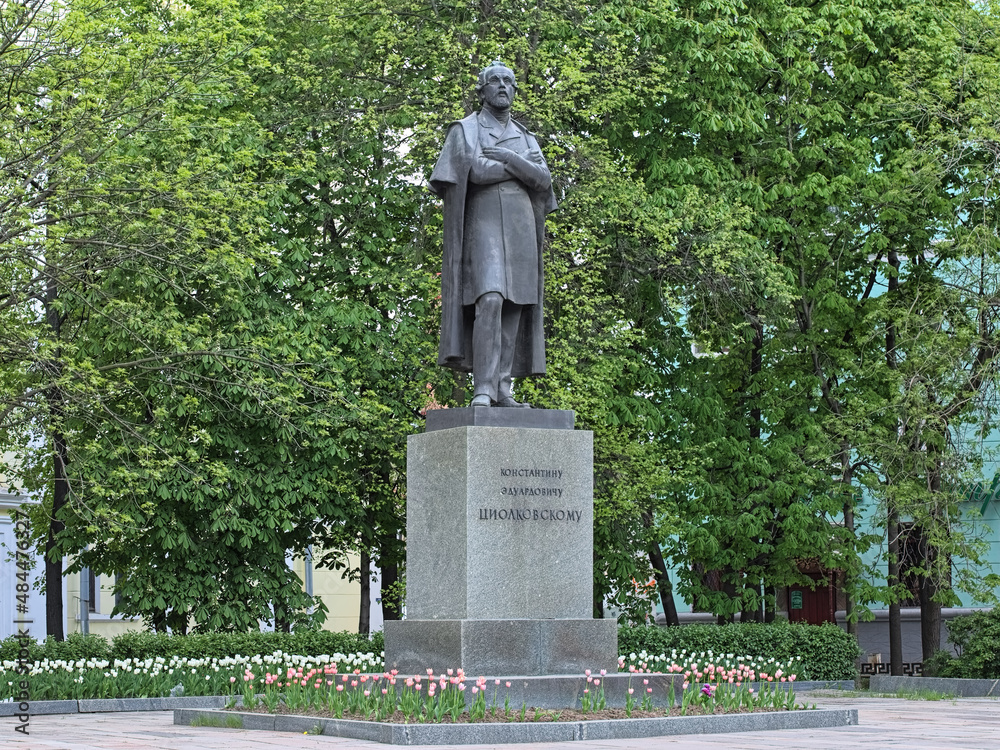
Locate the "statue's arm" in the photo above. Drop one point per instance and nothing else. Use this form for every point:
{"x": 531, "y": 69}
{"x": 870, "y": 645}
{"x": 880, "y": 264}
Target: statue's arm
{"x": 529, "y": 168}
{"x": 486, "y": 170}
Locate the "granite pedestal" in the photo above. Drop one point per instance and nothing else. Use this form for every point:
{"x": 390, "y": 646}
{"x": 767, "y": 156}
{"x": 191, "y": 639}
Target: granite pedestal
{"x": 499, "y": 535}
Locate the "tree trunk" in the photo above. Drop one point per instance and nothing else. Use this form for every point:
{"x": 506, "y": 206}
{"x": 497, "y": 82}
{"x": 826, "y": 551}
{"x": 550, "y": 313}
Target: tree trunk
{"x": 770, "y": 604}
{"x": 930, "y": 619}
{"x": 391, "y": 605}
{"x": 892, "y": 518}
{"x": 281, "y": 623}
{"x": 730, "y": 591}
{"x": 598, "y": 594}
{"x": 930, "y": 610}
{"x": 159, "y": 620}
{"x": 846, "y": 480}
{"x": 365, "y": 614}
{"x": 852, "y": 624}
{"x": 895, "y": 621}
{"x": 663, "y": 586}
{"x": 751, "y": 592}
{"x": 54, "y": 617}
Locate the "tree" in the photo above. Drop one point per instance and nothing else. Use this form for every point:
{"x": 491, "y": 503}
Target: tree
{"x": 941, "y": 343}
{"x": 139, "y": 341}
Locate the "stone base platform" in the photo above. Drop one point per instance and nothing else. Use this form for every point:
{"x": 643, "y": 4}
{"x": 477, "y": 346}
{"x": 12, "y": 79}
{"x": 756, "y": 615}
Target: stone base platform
{"x": 480, "y": 416}
{"x": 504, "y": 733}
{"x": 502, "y": 647}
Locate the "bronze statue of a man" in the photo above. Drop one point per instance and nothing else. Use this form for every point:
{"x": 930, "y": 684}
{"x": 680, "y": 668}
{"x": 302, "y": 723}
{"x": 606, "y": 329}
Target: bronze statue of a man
{"x": 497, "y": 190}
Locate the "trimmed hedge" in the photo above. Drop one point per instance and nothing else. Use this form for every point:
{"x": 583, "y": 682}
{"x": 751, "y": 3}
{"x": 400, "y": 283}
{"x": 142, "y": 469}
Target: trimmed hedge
{"x": 142, "y": 645}
{"x": 828, "y": 653}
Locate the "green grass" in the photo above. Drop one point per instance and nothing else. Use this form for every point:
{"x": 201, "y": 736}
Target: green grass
{"x": 923, "y": 694}
{"x": 229, "y": 722}
{"x": 910, "y": 694}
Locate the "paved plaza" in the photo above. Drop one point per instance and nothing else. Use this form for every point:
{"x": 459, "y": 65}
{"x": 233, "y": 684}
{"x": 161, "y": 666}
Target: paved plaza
{"x": 967, "y": 723}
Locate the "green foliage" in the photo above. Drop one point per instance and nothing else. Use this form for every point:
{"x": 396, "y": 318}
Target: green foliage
{"x": 977, "y": 640}
{"x": 827, "y": 651}
{"x": 940, "y": 664}
{"x": 76, "y": 646}
{"x": 218, "y": 306}
{"x": 145, "y": 645}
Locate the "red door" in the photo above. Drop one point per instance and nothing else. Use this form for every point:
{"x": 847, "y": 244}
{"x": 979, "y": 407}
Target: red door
{"x": 812, "y": 606}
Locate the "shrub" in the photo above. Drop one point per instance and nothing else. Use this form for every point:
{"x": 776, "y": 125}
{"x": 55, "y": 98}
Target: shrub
{"x": 977, "y": 637}
{"x": 143, "y": 645}
{"x": 939, "y": 664}
{"x": 828, "y": 653}
{"x": 76, "y": 646}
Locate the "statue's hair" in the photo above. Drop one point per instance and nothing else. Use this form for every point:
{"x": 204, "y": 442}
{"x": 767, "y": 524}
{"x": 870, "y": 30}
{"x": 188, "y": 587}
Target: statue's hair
{"x": 498, "y": 63}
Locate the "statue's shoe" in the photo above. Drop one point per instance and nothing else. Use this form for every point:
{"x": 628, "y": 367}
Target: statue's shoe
{"x": 482, "y": 399}
{"x": 509, "y": 402}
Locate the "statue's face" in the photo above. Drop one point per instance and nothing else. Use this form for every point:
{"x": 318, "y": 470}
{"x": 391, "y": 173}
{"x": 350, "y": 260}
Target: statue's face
{"x": 498, "y": 88}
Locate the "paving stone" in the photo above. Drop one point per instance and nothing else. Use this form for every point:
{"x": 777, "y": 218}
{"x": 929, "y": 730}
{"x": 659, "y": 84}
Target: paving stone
{"x": 963, "y": 724}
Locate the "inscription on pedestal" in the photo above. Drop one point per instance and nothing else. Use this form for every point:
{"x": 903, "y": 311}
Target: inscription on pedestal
{"x": 531, "y": 512}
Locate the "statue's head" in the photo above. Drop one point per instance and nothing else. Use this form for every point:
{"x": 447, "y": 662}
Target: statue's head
{"x": 496, "y": 85}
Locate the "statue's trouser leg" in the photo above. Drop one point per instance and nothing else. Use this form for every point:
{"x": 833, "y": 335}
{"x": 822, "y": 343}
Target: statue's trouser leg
{"x": 511, "y": 320}
{"x": 493, "y": 338}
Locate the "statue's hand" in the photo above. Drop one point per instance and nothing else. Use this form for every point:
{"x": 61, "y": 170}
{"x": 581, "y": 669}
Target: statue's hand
{"x": 498, "y": 154}
{"x": 535, "y": 155}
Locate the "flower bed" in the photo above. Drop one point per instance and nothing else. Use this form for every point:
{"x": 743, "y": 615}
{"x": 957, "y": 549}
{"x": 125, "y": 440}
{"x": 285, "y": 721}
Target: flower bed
{"x": 267, "y": 674}
{"x": 452, "y": 697}
{"x": 161, "y": 677}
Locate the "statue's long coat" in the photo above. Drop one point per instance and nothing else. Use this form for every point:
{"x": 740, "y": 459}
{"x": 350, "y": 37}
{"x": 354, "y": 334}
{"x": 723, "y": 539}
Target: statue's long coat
{"x": 450, "y": 180}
